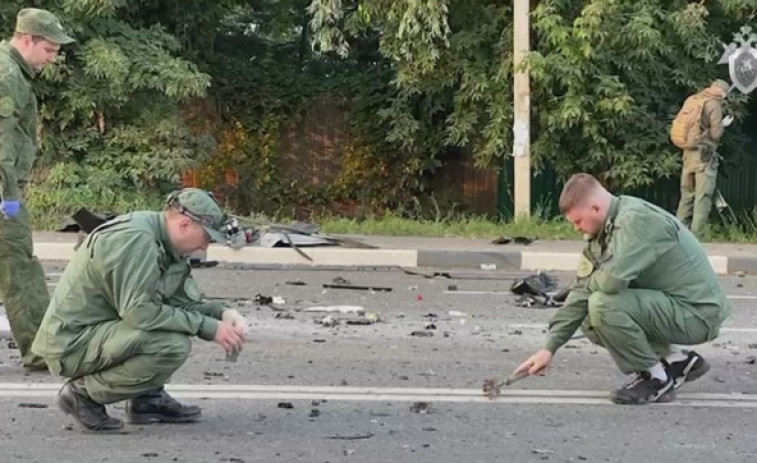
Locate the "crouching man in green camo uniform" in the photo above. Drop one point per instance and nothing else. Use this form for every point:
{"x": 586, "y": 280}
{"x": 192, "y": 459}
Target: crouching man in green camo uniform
{"x": 644, "y": 289}
{"x": 122, "y": 316}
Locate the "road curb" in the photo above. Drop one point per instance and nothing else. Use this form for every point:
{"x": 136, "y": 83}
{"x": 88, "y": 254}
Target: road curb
{"x": 440, "y": 258}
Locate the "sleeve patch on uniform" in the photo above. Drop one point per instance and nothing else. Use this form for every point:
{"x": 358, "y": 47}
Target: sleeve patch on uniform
{"x": 6, "y": 106}
{"x": 585, "y": 267}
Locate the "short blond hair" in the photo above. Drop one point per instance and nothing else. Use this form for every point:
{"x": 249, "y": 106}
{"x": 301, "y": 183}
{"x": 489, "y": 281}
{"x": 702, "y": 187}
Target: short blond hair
{"x": 576, "y": 190}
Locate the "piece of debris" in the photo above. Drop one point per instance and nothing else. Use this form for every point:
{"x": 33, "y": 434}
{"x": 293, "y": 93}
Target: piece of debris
{"x": 537, "y": 302}
{"x": 488, "y": 266}
{"x": 319, "y": 341}
{"x": 493, "y": 387}
{"x": 314, "y": 413}
{"x": 358, "y": 321}
{"x": 195, "y": 262}
{"x": 430, "y": 326}
{"x": 421, "y": 407}
{"x": 422, "y": 334}
{"x": 340, "y": 281}
{"x": 283, "y": 315}
{"x": 261, "y": 299}
{"x": 751, "y": 360}
{"x": 452, "y": 288}
{"x": 419, "y": 297}
{"x": 149, "y": 455}
{"x": 539, "y": 284}
{"x": 517, "y": 240}
{"x": 297, "y": 282}
{"x": 278, "y": 300}
{"x": 285, "y": 405}
{"x": 542, "y": 451}
{"x": 516, "y": 332}
{"x": 356, "y": 309}
{"x": 456, "y": 313}
{"x": 329, "y": 321}
{"x": 213, "y": 374}
{"x": 31, "y": 405}
{"x": 502, "y": 240}
{"x": 357, "y": 287}
{"x": 353, "y": 437}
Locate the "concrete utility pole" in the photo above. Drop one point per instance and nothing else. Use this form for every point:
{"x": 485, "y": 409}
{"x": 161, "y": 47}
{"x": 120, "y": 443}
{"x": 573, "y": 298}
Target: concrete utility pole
{"x": 522, "y": 110}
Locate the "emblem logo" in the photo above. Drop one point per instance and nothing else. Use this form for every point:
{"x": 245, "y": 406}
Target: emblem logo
{"x": 741, "y": 57}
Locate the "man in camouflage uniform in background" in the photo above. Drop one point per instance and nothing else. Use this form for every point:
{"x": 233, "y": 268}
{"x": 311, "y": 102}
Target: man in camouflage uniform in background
{"x": 700, "y": 165}
{"x": 35, "y": 44}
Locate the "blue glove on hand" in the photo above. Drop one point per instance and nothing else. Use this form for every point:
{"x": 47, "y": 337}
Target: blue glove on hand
{"x": 10, "y": 208}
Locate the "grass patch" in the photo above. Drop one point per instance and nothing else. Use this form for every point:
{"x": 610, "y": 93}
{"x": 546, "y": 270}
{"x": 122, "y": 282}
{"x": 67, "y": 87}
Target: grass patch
{"x": 463, "y": 227}
{"x": 744, "y": 231}
{"x": 50, "y": 208}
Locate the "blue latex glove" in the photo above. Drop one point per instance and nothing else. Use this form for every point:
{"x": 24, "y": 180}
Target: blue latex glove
{"x": 10, "y": 208}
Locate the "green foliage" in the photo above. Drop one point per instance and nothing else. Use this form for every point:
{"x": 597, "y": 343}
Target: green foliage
{"x": 69, "y": 186}
{"x": 266, "y": 78}
{"x": 606, "y": 77}
{"x": 112, "y": 104}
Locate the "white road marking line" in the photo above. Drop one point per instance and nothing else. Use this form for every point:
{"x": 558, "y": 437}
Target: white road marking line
{"x": 372, "y": 394}
{"x": 508, "y": 293}
{"x": 526, "y": 326}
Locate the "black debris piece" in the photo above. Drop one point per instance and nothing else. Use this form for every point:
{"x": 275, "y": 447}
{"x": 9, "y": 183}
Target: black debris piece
{"x": 31, "y": 405}
{"x": 261, "y": 299}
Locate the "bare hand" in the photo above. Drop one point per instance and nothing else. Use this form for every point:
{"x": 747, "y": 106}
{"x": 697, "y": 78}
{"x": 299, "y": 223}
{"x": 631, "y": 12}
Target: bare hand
{"x": 229, "y": 337}
{"x": 536, "y": 363}
{"x": 727, "y": 121}
{"x": 236, "y": 319}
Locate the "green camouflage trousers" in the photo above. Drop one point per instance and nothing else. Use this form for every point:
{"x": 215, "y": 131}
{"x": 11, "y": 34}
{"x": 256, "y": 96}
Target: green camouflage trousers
{"x": 118, "y": 362}
{"x": 22, "y": 284}
{"x": 698, "y": 181}
{"x": 637, "y": 326}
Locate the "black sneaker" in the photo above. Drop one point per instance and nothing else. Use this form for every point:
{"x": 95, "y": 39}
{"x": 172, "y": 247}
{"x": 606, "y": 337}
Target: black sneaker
{"x": 644, "y": 389}
{"x": 686, "y": 371}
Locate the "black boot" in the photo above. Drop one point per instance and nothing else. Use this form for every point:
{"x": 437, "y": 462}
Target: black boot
{"x": 159, "y": 406}
{"x": 75, "y": 401}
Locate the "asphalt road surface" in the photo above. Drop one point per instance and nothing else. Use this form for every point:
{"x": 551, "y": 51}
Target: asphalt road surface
{"x": 304, "y": 392}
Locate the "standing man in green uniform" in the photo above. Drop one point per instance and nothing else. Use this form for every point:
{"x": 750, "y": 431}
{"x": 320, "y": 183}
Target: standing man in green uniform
{"x": 644, "y": 288}
{"x": 122, "y": 316}
{"x": 700, "y": 160}
{"x": 35, "y": 44}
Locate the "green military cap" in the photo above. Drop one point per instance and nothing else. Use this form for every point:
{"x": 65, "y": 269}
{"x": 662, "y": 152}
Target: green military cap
{"x": 43, "y": 24}
{"x": 201, "y": 206}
